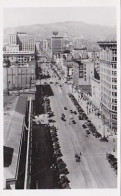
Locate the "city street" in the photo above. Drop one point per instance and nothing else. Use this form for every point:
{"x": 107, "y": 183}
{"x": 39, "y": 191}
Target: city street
{"x": 94, "y": 170}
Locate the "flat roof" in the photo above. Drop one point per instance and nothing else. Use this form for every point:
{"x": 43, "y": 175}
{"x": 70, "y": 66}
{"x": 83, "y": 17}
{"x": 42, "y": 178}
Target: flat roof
{"x": 107, "y": 43}
{"x": 14, "y": 113}
{"x": 80, "y": 48}
{"x": 56, "y": 37}
{"x": 86, "y": 61}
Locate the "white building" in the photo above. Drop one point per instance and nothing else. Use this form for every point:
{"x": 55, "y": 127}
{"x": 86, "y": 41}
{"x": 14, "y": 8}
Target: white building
{"x": 108, "y": 81}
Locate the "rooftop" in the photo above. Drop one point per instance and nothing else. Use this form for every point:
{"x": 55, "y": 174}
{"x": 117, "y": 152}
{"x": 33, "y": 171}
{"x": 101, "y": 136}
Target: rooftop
{"x": 14, "y": 113}
{"x": 80, "y": 48}
{"x": 86, "y": 61}
{"x": 107, "y": 43}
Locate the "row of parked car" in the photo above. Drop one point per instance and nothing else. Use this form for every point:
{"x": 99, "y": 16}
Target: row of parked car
{"x": 82, "y": 115}
{"x": 58, "y": 164}
{"x": 88, "y": 126}
{"x": 47, "y": 105}
{"x": 112, "y": 160}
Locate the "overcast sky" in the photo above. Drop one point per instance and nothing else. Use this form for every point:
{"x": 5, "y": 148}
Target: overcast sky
{"x": 26, "y": 16}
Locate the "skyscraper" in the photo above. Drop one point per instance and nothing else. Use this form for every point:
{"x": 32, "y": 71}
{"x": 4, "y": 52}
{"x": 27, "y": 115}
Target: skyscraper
{"x": 25, "y": 41}
{"x": 108, "y": 81}
{"x": 56, "y": 45}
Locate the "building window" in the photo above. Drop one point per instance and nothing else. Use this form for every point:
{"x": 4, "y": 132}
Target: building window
{"x": 80, "y": 74}
{"x": 114, "y": 73}
{"x": 114, "y": 86}
{"x": 114, "y": 66}
{"x": 114, "y": 93}
{"x": 114, "y": 117}
{"x": 114, "y": 79}
{"x": 114, "y": 108}
{"x": 114, "y": 58}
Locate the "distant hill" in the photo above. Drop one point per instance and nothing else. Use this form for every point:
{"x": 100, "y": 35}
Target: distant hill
{"x": 73, "y": 28}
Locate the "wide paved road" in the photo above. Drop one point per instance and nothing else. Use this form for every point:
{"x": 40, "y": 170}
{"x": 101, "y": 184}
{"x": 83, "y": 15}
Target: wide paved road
{"x": 94, "y": 170}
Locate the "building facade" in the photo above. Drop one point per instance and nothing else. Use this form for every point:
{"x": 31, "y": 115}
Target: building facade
{"x": 16, "y": 77}
{"x": 82, "y": 73}
{"x": 24, "y": 41}
{"x": 56, "y": 45}
{"x": 108, "y": 82}
{"x": 96, "y": 92}
{"x": 19, "y": 57}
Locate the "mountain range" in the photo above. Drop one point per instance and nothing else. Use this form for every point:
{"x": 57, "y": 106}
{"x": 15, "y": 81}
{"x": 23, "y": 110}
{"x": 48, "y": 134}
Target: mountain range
{"x": 86, "y": 31}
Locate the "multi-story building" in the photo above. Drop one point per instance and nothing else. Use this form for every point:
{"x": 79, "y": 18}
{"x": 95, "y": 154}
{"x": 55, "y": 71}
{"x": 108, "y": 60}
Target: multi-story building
{"x": 68, "y": 69}
{"x": 21, "y": 49}
{"x": 12, "y": 39}
{"x": 18, "y": 76}
{"x": 23, "y": 40}
{"x": 56, "y": 45}
{"x": 108, "y": 82}
{"x": 26, "y": 42}
{"x": 80, "y": 53}
{"x": 19, "y": 57}
{"x": 17, "y": 119}
{"x": 82, "y": 73}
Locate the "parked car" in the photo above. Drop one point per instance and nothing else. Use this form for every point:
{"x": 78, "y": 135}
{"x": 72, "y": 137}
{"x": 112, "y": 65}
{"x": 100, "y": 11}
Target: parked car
{"x": 63, "y": 118}
{"x": 63, "y": 171}
{"x": 65, "y": 108}
{"x": 97, "y": 135}
{"x": 87, "y": 131}
{"x": 73, "y": 121}
{"x": 104, "y": 139}
{"x": 84, "y": 126}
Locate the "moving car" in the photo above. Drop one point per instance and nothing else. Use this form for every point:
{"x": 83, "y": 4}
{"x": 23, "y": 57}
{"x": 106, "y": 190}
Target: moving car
{"x": 71, "y": 111}
{"x": 77, "y": 157}
{"x": 75, "y": 112}
{"x": 73, "y": 121}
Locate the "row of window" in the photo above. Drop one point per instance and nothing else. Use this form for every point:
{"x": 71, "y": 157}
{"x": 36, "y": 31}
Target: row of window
{"x": 114, "y": 108}
{"x": 106, "y": 77}
{"x": 114, "y": 100}
{"x": 114, "y": 80}
{"x": 114, "y": 58}
{"x": 114, "y": 51}
{"x": 114, "y": 86}
{"x": 114, "y": 94}
{"x": 114, "y": 66}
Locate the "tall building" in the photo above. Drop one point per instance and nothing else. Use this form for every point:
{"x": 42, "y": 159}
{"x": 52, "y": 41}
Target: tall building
{"x": 108, "y": 82}
{"x": 21, "y": 48}
{"x": 82, "y": 73}
{"x": 23, "y": 41}
{"x": 26, "y": 42}
{"x": 56, "y": 45}
{"x": 12, "y": 39}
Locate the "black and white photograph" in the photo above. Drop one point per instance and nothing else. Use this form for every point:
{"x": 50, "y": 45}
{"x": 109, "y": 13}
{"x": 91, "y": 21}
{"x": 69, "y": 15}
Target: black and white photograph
{"x": 60, "y": 98}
